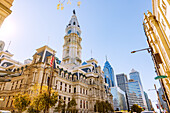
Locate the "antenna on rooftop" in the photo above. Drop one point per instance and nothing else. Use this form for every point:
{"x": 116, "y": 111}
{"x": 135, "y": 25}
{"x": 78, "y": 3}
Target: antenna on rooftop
{"x": 8, "y": 45}
{"x": 106, "y": 57}
{"x": 91, "y": 53}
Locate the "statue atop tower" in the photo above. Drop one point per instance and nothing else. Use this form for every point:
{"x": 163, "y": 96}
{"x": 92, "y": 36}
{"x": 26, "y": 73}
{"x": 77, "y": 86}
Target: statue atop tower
{"x": 72, "y": 44}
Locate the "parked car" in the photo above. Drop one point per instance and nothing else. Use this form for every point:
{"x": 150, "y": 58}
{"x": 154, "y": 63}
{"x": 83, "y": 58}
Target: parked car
{"x": 147, "y": 112}
{"x": 4, "y": 111}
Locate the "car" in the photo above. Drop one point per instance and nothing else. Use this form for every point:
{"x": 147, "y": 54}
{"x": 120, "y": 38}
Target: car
{"x": 147, "y": 112}
{"x": 4, "y": 111}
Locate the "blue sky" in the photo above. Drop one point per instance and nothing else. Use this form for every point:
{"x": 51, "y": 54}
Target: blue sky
{"x": 109, "y": 27}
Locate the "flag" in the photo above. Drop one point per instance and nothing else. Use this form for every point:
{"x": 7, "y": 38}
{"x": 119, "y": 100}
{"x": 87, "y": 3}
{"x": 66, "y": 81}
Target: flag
{"x": 52, "y": 61}
{"x": 157, "y": 106}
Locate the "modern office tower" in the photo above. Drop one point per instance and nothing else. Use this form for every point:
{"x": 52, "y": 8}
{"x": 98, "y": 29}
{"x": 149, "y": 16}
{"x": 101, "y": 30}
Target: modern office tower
{"x": 121, "y": 81}
{"x": 161, "y": 96}
{"x": 119, "y": 98}
{"x": 147, "y": 101}
{"x": 109, "y": 74}
{"x": 134, "y": 93}
{"x": 135, "y": 76}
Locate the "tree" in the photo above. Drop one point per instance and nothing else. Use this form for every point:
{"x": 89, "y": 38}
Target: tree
{"x": 43, "y": 101}
{"x": 108, "y": 107}
{"x": 59, "y": 106}
{"x": 103, "y": 107}
{"x": 72, "y": 106}
{"x": 31, "y": 109}
{"x": 21, "y": 101}
{"x": 136, "y": 108}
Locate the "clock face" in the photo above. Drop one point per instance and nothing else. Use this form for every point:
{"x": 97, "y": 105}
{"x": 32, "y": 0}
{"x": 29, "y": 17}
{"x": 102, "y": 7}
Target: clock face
{"x": 69, "y": 32}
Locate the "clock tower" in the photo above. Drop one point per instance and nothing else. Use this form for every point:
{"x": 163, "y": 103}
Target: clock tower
{"x": 72, "y": 44}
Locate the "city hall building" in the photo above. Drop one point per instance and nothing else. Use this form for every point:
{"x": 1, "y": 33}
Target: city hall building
{"x": 71, "y": 78}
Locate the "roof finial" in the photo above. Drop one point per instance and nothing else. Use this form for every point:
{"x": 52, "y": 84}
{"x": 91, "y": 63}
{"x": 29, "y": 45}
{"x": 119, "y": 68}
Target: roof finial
{"x": 74, "y": 12}
{"x": 106, "y": 57}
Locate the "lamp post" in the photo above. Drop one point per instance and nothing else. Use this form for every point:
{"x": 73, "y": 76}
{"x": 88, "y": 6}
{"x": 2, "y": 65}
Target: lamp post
{"x": 159, "y": 102}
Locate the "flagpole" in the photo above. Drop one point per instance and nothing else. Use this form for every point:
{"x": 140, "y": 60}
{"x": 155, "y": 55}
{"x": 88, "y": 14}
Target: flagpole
{"x": 51, "y": 75}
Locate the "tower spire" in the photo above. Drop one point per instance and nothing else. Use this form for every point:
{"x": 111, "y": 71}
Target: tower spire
{"x": 74, "y": 12}
{"x": 106, "y": 57}
{"x": 72, "y": 46}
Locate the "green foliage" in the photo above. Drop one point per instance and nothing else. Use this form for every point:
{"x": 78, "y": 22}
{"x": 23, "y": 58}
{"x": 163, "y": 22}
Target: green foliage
{"x": 136, "y": 108}
{"x": 72, "y": 106}
{"x": 60, "y": 106}
{"x": 32, "y": 110}
{"x": 43, "y": 101}
{"x": 21, "y": 101}
{"x": 103, "y": 107}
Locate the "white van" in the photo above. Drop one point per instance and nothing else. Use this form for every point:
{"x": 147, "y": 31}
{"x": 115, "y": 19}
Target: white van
{"x": 3, "y": 111}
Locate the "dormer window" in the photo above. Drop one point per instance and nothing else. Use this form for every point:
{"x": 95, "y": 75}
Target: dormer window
{"x": 69, "y": 32}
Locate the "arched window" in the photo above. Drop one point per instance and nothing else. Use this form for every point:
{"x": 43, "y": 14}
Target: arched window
{"x": 74, "y": 23}
{"x": 90, "y": 81}
{"x": 69, "y": 32}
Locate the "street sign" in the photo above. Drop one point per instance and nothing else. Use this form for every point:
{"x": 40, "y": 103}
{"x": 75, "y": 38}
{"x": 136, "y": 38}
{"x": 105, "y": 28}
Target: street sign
{"x": 159, "y": 77}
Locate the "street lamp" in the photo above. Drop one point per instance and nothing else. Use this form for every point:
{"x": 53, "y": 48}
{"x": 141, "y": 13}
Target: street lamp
{"x": 148, "y": 49}
{"x": 157, "y": 95}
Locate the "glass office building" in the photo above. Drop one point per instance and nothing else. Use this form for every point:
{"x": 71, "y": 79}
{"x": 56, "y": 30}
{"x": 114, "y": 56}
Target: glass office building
{"x": 121, "y": 81}
{"x": 119, "y": 99}
{"x": 134, "y": 93}
{"x": 163, "y": 103}
{"x": 147, "y": 101}
{"x": 135, "y": 76}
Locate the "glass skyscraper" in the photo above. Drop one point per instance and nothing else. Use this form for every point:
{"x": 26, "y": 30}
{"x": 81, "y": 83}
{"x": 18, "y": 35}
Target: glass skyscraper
{"x": 109, "y": 74}
{"x": 121, "y": 81}
{"x": 135, "y": 76}
{"x": 119, "y": 99}
{"x": 134, "y": 93}
{"x": 163, "y": 103}
{"x": 147, "y": 101}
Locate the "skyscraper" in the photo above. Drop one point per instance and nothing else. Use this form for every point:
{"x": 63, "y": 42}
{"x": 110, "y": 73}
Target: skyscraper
{"x": 163, "y": 103}
{"x": 119, "y": 98}
{"x": 121, "y": 81}
{"x": 135, "y": 76}
{"x": 135, "y": 80}
{"x": 147, "y": 101}
{"x": 109, "y": 74}
{"x": 135, "y": 94}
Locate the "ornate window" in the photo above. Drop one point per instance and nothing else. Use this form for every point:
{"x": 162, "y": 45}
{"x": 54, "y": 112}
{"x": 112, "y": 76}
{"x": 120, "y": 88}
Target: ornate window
{"x": 69, "y": 88}
{"x": 74, "y": 23}
{"x": 60, "y": 86}
{"x": 65, "y": 87}
{"x": 69, "y": 32}
{"x": 80, "y": 103}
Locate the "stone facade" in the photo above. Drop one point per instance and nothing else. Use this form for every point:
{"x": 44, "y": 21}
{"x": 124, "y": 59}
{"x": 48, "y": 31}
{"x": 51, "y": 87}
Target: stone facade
{"x": 157, "y": 30}
{"x": 71, "y": 78}
{"x": 5, "y": 6}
